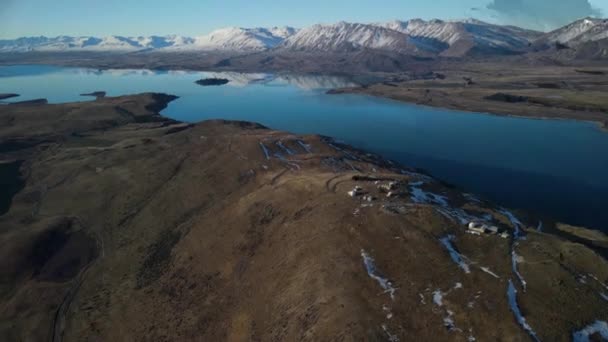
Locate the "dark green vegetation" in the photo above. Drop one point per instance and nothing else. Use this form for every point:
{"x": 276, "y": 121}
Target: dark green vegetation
{"x": 10, "y": 183}
{"x": 507, "y": 98}
{"x": 158, "y": 258}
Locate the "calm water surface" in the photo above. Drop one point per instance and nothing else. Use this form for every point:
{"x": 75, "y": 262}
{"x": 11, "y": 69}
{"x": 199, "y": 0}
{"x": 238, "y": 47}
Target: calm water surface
{"x": 555, "y": 168}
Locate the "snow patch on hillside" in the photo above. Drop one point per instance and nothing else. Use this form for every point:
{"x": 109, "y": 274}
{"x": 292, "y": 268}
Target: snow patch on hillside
{"x": 345, "y": 36}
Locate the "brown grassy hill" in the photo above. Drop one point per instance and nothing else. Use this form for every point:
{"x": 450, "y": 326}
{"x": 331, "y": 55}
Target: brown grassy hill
{"x": 122, "y": 225}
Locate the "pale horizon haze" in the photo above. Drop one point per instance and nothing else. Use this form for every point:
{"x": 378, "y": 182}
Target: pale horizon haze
{"x": 20, "y": 18}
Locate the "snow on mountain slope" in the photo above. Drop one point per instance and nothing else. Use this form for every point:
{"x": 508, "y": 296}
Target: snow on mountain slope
{"x": 111, "y": 43}
{"x": 158, "y": 42}
{"x": 415, "y": 37}
{"x": 344, "y": 36}
{"x": 62, "y": 43}
{"x": 283, "y": 32}
{"x": 445, "y": 32}
{"x": 233, "y": 39}
{"x": 243, "y": 39}
{"x": 578, "y": 32}
{"x": 463, "y": 36}
{"x": 114, "y": 43}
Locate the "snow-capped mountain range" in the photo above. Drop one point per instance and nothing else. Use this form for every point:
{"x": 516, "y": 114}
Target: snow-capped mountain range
{"x": 226, "y": 39}
{"x": 352, "y": 36}
{"x": 415, "y": 37}
{"x": 579, "y": 32}
{"x": 112, "y": 43}
{"x": 460, "y": 37}
{"x": 240, "y": 39}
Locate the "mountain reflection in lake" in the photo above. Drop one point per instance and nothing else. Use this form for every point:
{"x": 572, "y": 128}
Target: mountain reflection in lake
{"x": 545, "y": 166}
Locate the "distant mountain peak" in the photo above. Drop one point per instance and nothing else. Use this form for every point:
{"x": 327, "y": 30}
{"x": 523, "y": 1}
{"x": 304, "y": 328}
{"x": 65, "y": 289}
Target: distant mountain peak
{"x": 577, "y": 33}
{"x": 416, "y": 37}
{"x": 243, "y": 39}
{"x": 344, "y": 37}
{"x": 461, "y": 37}
{"x": 228, "y": 38}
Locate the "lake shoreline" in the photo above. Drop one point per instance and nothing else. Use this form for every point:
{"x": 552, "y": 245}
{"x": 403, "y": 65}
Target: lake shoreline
{"x": 417, "y": 88}
{"x": 134, "y": 204}
{"x": 482, "y": 106}
{"x": 453, "y": 154}
{"x": 161, "y": 102}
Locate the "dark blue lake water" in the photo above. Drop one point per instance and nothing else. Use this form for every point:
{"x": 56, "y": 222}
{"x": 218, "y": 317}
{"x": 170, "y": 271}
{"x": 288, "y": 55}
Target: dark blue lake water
{"x": 549, "y": 167}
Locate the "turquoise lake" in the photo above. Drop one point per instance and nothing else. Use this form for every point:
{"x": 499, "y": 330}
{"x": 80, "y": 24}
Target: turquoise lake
{"x": 555, "y": 168}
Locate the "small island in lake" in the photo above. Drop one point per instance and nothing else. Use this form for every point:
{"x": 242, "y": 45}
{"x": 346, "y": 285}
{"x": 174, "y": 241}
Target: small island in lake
{"x": 7, "y": 96}
{"x": 97, "y": 94}
{"x": 212, "y": 82}
{"x": 34, "y": 102}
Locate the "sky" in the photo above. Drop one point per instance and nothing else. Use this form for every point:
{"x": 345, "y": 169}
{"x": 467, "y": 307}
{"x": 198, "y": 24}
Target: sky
{"x": 197, "y": 17}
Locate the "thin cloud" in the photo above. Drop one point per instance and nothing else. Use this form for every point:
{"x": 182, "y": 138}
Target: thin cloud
{"x": 541, "y": 14}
